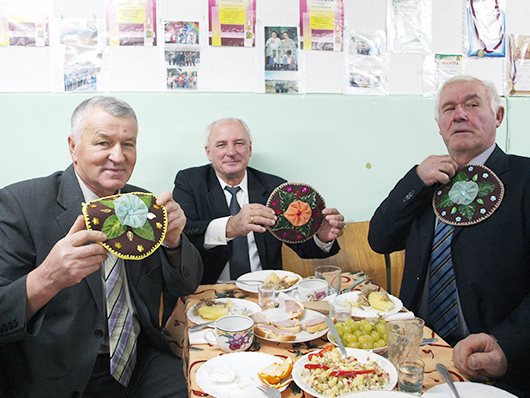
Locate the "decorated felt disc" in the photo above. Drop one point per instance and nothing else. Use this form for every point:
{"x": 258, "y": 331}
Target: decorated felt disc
{"x": 299, "y": 210}
{"x": 471, "y": 196}
{"x": 134, "y": 224}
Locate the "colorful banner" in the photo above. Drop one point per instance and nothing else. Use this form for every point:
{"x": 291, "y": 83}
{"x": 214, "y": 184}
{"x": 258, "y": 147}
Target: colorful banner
{"x": 131, "y": 22}
{"x": 232, "y": 22}
{"x": 322, "y": 24}
{"x": 24, "y": 22}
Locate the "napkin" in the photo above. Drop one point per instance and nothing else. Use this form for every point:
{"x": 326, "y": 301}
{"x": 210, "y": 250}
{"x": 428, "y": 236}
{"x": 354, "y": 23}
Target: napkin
{"x": 197, "y": 336}
{"x": 400, "y": 316}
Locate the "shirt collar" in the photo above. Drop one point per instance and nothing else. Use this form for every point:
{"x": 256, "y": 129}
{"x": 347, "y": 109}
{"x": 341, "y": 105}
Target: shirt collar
{"x": 483, "y": 157}
{"x": 243, "y": 184}
{"x": 88, "y": 195}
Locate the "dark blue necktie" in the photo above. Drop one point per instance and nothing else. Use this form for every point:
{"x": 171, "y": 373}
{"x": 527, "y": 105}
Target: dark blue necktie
{"x": 239, "y": 262}
{"x": 443, "y": 310}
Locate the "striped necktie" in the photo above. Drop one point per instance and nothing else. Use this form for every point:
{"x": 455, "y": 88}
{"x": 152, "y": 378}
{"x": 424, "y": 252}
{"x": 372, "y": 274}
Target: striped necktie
{"x": 443, "y": 310}
{"x": 122, "y": 338}
{"x": 240, "y": 261}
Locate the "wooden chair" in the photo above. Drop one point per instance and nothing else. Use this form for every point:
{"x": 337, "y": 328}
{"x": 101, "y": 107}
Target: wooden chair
{"x": 355, "y": 255}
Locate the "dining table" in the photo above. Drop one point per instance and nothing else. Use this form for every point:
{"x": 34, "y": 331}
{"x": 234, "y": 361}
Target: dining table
{"x": 196, "y": 355}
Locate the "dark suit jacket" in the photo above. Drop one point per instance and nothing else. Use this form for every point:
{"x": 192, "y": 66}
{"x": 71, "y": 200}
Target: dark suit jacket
{"x": 53, "y": 354}
{"x": 491, "y": 259}
{"x": 198, "y": 192}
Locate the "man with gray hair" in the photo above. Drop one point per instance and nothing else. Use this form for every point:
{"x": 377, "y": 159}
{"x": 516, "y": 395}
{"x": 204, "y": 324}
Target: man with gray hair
{"x": 54, "y": 322}
{"x": 467, "y": 261}
{"x": 233, "y": 243}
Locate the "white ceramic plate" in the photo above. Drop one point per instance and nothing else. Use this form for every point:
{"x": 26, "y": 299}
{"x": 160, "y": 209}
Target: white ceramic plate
{"x": 249, "y": 305}
{"x": 330, "y": 338}
{"x": 369, "y": 312}
{"x": 246, "y": 365}
{"x": 467, "y": 390}
{"x": 361, "y": 355}
{"x": 261, "y": 275}
{"x": 278, "y": 314}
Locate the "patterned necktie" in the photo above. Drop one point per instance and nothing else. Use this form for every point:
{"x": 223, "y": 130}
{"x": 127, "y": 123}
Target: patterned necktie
{"x": 443, "y": 310}
{"x": 239, "y": 262}
{"x": 122, "y": 338}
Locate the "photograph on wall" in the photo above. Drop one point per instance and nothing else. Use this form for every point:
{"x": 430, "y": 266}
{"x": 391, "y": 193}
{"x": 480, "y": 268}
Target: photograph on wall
{"x": 82, "y": 41}
{"x": 181, "y": 54}
{"x": 25, "y": 22}
{"x": 518, "y": 67}
{"x": 281, "y": 48}
{"x": 485, "y": 26}
{"x": 281, "y": 86}
{"x": 322, "y": 24}
{"x": 131, "y": 22}
{"x": 366, "y": 63}
{"x": 232, "y": 23}
{"x": 409, "y": 26}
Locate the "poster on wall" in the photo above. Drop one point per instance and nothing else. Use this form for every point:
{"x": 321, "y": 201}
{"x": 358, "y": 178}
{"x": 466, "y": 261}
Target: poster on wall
{"x": 281, "y": 60}
{"x": 25, "y": 22}
{"x": 82, "y": 41}
{"x": 232, "y": 23}
{"x": 131, "y": 22}
{"x": 438, "y": 68}
{"x": 409, "y": 26}
{"x": 518, "y": 59}
{"x": 181, "y": 54}
{"x": 485, "y": 26}
{"x": 322, "y": 24}
{"x": 366, "y": 63}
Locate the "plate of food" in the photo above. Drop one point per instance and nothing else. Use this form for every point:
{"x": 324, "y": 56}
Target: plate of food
{"x": 371, "y": 304}
{"x": 211, "y": 309}
{"x": 237, "y": 374}
{"x": 313, "y": 371}
{"x": 361, "y": 334}
{"x": 290, "y": 323}
{"x": 467, "y": 390}
{"x": 285, "y": 281}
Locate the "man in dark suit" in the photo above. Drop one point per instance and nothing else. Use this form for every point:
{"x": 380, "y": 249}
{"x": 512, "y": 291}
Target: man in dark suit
{"x": 490, "y": 259}
{"x": 201, "y": 193}
{"x": 54, "y": 339}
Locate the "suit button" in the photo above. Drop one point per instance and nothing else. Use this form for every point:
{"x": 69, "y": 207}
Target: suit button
{"x": 409, "y": 195}
{"x": 15, "y": 323}
{"x": 98, "y": 333}
{"x": 10, "y": 325}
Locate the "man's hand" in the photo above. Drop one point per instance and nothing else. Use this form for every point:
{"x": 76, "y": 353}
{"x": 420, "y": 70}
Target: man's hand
{"x": 437, "y": 169}
{"x": 251, "y": 217}
{"x": 480, "y": 355}
{"x": 332, "y": 226}
{"x": 176, "y": 220}
{"x": 71, "y": 259}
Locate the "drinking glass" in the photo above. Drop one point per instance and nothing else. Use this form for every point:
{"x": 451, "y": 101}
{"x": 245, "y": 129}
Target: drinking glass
{"x": 410, "y": 375}
{"x": 332, "y": 275}
{"x": 267, "y": 296}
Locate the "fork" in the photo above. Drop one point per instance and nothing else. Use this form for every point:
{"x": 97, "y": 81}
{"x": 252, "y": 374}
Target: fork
{"x": 269, "y": 392}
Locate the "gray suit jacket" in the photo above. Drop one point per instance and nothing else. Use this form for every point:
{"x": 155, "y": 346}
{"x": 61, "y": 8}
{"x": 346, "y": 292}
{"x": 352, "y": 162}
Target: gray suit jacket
{"x": 53, "y": 354}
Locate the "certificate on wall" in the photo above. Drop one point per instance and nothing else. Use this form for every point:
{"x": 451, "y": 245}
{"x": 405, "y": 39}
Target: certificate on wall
{"x": 131, "y": 22}
{"x": 322, "y": 24}
{"x": 232, "y": 22}
{"x": 24, "y": 22}
{"x": 409, "y": 26}
{"x": 518, "y": 65}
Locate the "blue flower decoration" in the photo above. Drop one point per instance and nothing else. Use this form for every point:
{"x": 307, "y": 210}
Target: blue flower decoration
{"x": 131, "y": 211}
{"x": 493, "y": 198}
{"x": 463, "y": 192}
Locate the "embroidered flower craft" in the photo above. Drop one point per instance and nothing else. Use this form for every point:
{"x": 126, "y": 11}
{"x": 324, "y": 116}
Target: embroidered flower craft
{"x": 299, "y": 210}
{"x": 471, "y": 196}
{"x": 134, "y": 224}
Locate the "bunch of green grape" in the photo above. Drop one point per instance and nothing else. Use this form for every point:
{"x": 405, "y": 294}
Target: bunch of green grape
{"x": 362, "y": 334}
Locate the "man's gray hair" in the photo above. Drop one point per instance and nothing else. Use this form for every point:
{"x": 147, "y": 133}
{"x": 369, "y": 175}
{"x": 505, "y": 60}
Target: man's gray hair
{"x": 208, "y": 130}
{"x": 112, "y": 105}
{"x": 491, "y": 92}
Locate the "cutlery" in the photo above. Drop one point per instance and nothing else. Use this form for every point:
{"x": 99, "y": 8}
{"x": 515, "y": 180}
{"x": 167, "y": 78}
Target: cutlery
{"x": 358, "y": 281}
{"x": 336, "y": 336}
{"x": 447, "y": 377}
{"x": 201, "y": 325}
{"x": 270, "y": 392}
{"x": 246, "y": 281}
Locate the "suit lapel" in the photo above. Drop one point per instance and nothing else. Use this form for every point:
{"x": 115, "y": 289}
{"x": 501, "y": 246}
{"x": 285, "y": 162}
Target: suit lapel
{"x": 257, "y": 193}
{"x": 216, "y": 195}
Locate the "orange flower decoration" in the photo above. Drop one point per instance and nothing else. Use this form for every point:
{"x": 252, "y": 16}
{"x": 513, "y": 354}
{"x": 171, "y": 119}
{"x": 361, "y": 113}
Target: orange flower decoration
{"x": 298, "y": 213}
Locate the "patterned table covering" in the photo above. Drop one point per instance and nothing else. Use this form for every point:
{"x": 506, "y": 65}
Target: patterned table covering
{"x": 193, "y": 356}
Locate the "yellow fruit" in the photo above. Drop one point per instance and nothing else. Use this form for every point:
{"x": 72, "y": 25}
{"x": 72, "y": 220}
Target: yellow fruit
{"x": 273, "y": 278}
{"x": 380, "y": 301}
{"x": 213, "y": 312}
